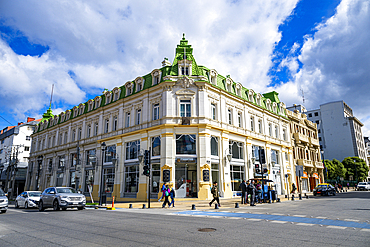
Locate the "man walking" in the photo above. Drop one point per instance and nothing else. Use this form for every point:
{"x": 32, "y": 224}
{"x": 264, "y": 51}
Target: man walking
{"x": 243, "y": 187}
{"x": 252, "y": 191}
{"x": 215, "y": 194}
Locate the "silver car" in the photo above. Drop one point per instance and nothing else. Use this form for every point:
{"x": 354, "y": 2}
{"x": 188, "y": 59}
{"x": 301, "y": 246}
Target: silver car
{"x": 3, "y": 202}
{"x": 28, "y": 199}
{"x": 61, "y": 198}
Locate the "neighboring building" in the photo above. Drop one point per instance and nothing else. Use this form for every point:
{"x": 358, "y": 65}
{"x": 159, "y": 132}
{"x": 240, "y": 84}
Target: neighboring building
{"x": 201, "y": 127}
{"x": 15, "y": 145}
{"x": 367, "y": 147}
{"x": 306, "y": 148}
{"x": 340, "y": 133}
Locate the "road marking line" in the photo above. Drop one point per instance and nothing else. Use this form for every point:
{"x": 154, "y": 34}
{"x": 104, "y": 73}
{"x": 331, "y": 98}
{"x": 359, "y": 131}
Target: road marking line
{"x": 278, "y": 221}
{"x": 350, "y": 220}
{"x": 279, "y": 214}
{"x": 298, "y": 215}
{"x": 255, "y": 219}
{"x": 365, "y": 230}
{"x": 321, "y": 217}
{"x": 304, "y": 224}
{"x": 17, "y": 211}
{"x": 337, "y": 227}
{"x": 196, "y": 215}
{"x": 215, "y": 216}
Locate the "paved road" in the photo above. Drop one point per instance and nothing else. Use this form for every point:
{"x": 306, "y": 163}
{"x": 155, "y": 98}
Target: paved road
{"x": 342, "y": 220}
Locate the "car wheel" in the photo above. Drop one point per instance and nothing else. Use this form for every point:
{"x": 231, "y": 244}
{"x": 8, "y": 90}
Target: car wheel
{"x": 16, "y": 204}
{"x": 41, "y": 206}
{"x": 25, "y": 205}
{"x": 80, "y": 208}
{"x": 334, "y": 194}
{"x": 56, "y": 205}
{"x": 64, "y": 209}
{"x": 3, "y": 211}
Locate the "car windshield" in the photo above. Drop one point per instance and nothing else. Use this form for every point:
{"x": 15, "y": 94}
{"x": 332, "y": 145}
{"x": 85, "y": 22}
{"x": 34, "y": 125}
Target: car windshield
{"x": 34, "y": 194}
{"x": 321, "y": 186}
{"x": 65, "y": 190}
{"x": 361, "y": 183}
{"x": 2, "y": 192}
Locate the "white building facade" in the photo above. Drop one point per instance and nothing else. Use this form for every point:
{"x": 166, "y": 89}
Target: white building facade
{"x": 200, "y": 126}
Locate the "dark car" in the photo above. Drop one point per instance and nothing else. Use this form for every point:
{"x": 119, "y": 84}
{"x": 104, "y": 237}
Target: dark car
{"x": 324, "y": 190}
{"x": 61, "y": 198}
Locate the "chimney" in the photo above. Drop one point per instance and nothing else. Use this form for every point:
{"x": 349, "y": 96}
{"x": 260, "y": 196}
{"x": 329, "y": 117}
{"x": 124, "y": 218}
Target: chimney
{"x": 30, "y": 119}
{"x": 20, "y": 123}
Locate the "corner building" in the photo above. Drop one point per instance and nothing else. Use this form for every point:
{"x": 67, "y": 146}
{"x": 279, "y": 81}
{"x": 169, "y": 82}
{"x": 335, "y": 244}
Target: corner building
{"x": 200, "y": 126}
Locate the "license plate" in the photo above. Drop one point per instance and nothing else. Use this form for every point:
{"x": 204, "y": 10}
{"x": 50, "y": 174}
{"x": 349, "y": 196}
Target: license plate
{"x": 75, "y": 203}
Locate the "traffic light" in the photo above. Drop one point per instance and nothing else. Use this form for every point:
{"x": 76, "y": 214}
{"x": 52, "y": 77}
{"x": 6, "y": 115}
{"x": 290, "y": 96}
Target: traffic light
{"x": 265, "y": 170}
{"x": 257, "y": 168}
{"x": 146, "y": 170}
{"x": 262, "y": 156}
{"x": 146, "y": 167}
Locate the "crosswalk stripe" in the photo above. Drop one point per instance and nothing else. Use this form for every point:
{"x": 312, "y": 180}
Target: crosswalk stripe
{"x": 278, "y": 221}
{"x": 337, "y": 227}
{"x": 304, "y": 224}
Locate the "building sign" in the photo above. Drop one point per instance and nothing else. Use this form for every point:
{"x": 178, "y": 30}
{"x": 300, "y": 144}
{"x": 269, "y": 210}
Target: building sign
{"x": 206, "y": 175}
{"x": 166, "y": 176}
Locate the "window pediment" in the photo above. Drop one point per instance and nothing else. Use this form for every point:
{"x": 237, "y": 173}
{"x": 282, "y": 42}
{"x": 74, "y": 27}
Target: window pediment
{"x": 185, "y": 92}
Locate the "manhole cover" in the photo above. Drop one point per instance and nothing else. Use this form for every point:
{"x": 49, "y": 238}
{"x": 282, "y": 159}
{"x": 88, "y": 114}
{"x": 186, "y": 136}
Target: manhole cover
{"x": 206, "y": 229}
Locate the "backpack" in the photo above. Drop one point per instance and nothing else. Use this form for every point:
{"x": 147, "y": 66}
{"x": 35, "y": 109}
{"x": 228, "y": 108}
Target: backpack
{"x": 166, "y": 193}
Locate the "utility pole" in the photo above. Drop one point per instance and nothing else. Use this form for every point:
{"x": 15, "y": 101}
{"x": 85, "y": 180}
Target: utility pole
{"x": 14, "y": 168}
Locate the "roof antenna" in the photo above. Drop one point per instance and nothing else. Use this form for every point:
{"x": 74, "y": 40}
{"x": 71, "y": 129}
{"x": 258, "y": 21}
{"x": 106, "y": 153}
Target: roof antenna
{"x": 51, "y": 96}
{"x": 302, "y": 95}
{"x": 183, "y": 37}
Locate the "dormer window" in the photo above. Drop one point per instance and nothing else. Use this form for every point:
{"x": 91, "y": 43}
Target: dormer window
{"x": 250, "y": 96}
{"x": 228, "y": 84}
{"x": 274, "y": 107}
{"x": 156, "y": 76}
{"x": 68, "y": 114}
{"x": 184, "y": 67}
{"x": 63, "y": 116}
{"x": 90, "y": 104}
{"x": 213, "y": 76}
{"x": 238, "y": 89}
{"x": 128, "y": 88}
{"x": 97, "y": 101}
{"x": 75, "y": 111}
{"x": 140, "y": 83}
{"x": 82, "y": 108}
{"x": 258, "y": 99}
{"x": 116, "y": 93}
{"x": 268, "y": 104}
{"x": 108, "y": 97}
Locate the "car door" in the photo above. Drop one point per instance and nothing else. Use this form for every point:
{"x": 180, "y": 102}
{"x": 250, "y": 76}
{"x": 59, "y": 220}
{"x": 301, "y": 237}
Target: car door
{"x": 45, "y": 197}
{"x": 23, "y": 199}
{"x": 51, "y": 196}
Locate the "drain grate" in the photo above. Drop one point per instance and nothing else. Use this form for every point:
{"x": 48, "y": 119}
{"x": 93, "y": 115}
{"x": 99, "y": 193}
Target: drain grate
{"x": 206, "y": 229}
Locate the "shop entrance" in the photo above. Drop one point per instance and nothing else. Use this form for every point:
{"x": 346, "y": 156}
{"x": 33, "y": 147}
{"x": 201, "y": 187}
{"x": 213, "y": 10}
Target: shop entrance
{"x": 186, "y": 180}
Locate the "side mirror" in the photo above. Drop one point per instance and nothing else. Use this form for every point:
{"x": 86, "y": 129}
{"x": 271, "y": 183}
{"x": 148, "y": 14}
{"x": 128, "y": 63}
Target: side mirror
{"x": 6, "y": 194}
{"x": 52, "y": 192}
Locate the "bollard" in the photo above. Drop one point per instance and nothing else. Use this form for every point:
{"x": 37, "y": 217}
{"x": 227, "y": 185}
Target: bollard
{"x": 236, "y": 205}
{"x": 300, "y": 197}
{"x": 286, "y": 196}
{"x": 292, "y": 197}
{"x": 306, "y": 197}
{"x": 346, "y": 190}
{"x": 278, "y": 200}
{"x": 113, "y": 202}
{"x": 216, "y": 206}
{"x": 193, "y": 207}
{"x": 144, "y": 206}
{"x": 270, "y": 201}
{"x": 130, "y": 206}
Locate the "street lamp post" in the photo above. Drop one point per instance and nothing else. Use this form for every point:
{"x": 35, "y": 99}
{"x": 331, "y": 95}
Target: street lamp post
{"x": 323, "y": 162}
{"x": 103, "y": 146}
{"x": 144, "y": 156}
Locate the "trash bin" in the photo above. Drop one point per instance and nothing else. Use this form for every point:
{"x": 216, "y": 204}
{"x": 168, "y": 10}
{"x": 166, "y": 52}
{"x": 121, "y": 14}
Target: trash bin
{"x": 273, "y": 195}
{"x": 104, "y": 199}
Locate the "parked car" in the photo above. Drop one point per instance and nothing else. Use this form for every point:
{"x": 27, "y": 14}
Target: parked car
{"x": 61, "y": 198}
{"x": 28, "y": 199}
{"x": 3, "y": 201}
{"x": 324, "y": 189}
{"x": 363, "y": 186}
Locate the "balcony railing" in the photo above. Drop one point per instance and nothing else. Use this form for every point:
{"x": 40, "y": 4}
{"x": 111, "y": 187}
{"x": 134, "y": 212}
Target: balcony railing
{"x": 314, "y": 141}
{"x": 300, "y": 138}
{"x": 307, "y": 163}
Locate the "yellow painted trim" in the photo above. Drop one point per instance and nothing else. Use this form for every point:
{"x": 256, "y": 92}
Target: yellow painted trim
{"x": 143, "y": 139}
{"x": 119, "y": 144}
{"x": 167, "y": 134}
{"x": 204, "y": 134}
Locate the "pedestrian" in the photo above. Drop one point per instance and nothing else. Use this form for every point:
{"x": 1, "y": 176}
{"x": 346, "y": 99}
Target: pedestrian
{"x": 215, "y": 194}
{"x": 243, "y": 187}
{"x": 172, "y": 195}
{"x": 252, "y": 191}
{"x": 166, "y": 195}
{"x": 347, "y": 186}
{"x": 293, "y": 188}
{"x": 336, "y": 187}
{"x": 248, "y": 195}
{"x": 259, "y": 193}
{"x": 162, "y": 190}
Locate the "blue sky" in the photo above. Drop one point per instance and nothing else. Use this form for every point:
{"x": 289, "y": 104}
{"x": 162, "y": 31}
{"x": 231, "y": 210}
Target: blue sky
{"x": 310, "y": 46}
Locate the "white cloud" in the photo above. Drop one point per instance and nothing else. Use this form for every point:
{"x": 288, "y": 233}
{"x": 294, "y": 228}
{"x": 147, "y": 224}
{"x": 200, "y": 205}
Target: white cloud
{"x": 336, "y": 62}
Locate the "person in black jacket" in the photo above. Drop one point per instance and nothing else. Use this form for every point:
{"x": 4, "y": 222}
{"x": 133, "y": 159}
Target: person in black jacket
{"x": 252, "y": 191}
{"x": 172, "y": 195}
{"x": 243, "y": 188}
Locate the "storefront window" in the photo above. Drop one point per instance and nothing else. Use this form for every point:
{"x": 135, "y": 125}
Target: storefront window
{"x": 237, "y": 175}
{"x": 91, "y": 157}
{"x": 215, "y": 173}
{"x": 156, "y": 146}
{"x": 73, "y": 159}
{"x": 214, "y": 146}
{"x": 156, "y": 177}
{"x": 131, "y": 179}
{"x": 108, "y": 179}
{"x": 72, "y": 180}
{"x": 274, "y": 156}
{"x": 89, "y": 180}
{"x": 60, "y": 179}
{"x": 185, "y": 144}
{"x": 61, "y": 161}
{"x": 110, "y": 152}
{"x": 132, "y": 149}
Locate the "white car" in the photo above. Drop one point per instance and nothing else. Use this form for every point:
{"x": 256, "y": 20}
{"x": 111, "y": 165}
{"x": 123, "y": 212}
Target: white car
{"x": 28, "y": 199}
{"x": 363, "y": 186}
{"x": 3, "y": 201}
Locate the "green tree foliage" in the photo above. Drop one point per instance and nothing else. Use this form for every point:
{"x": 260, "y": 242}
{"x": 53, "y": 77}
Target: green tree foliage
{"x": 335, "y": 169}
{"x": 353, "y": 164}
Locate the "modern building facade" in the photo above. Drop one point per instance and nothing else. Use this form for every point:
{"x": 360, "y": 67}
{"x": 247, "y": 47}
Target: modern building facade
{"x": 367, "y": 147}
{"x": 15, "y": 145}
{"x": 199, "y": 125}
{"x": 340, "y": 133}
{"x": 306, "y": 149}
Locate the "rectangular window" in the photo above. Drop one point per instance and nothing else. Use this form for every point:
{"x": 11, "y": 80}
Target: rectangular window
{"x": 155, "y": 111}
{"x": 316, "y": 114}
{"x": 127, "y": 120}
{"x": 106, "y": 128}
{"x": 252, "y": 123}
{"x": 276, "y": 132}
{"x": 88, "y": 132}
{"x": 213, "y": 111}
{"x": 79, "y": 135}
{"x": 132, "y": 149}
{"x": 229, "y": 115}
{"x": 284, "y": 134}
{"x": 237, "y": 176}
{"x": 275, "y": 156}
{"x": 240, "y": 119}
{"x": 214, "y": 146}
{"x": 89, "y": 181}
{"x": 26, "y": 148}
{"x": 131, "y": 179}
{"x": 186, "y": 144}
{"x": 110, "y": 153}
{"x": 115, "y": 123}
{"x": 138, "y": 116}
{"x": 236, "y": 149}
{"x": 156, "y": 146}
{"x": 270, "y": 129}
{"x": 309, "y": 114}
{"x": 65, "y": 137}
{"x": 74, "y": 159}
{"x": 91, "y": 157}
{"x": 185, "y": 108}
{"x": 96, "y": 129}
{"x": 260, "y": 126}
{"x": 28, "y": 138}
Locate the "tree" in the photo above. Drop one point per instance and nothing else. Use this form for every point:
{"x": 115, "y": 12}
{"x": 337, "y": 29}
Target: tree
{"x": 330, "y": 169}
{"x": 335, "y": 169}
{"x": 356, "y": 165}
